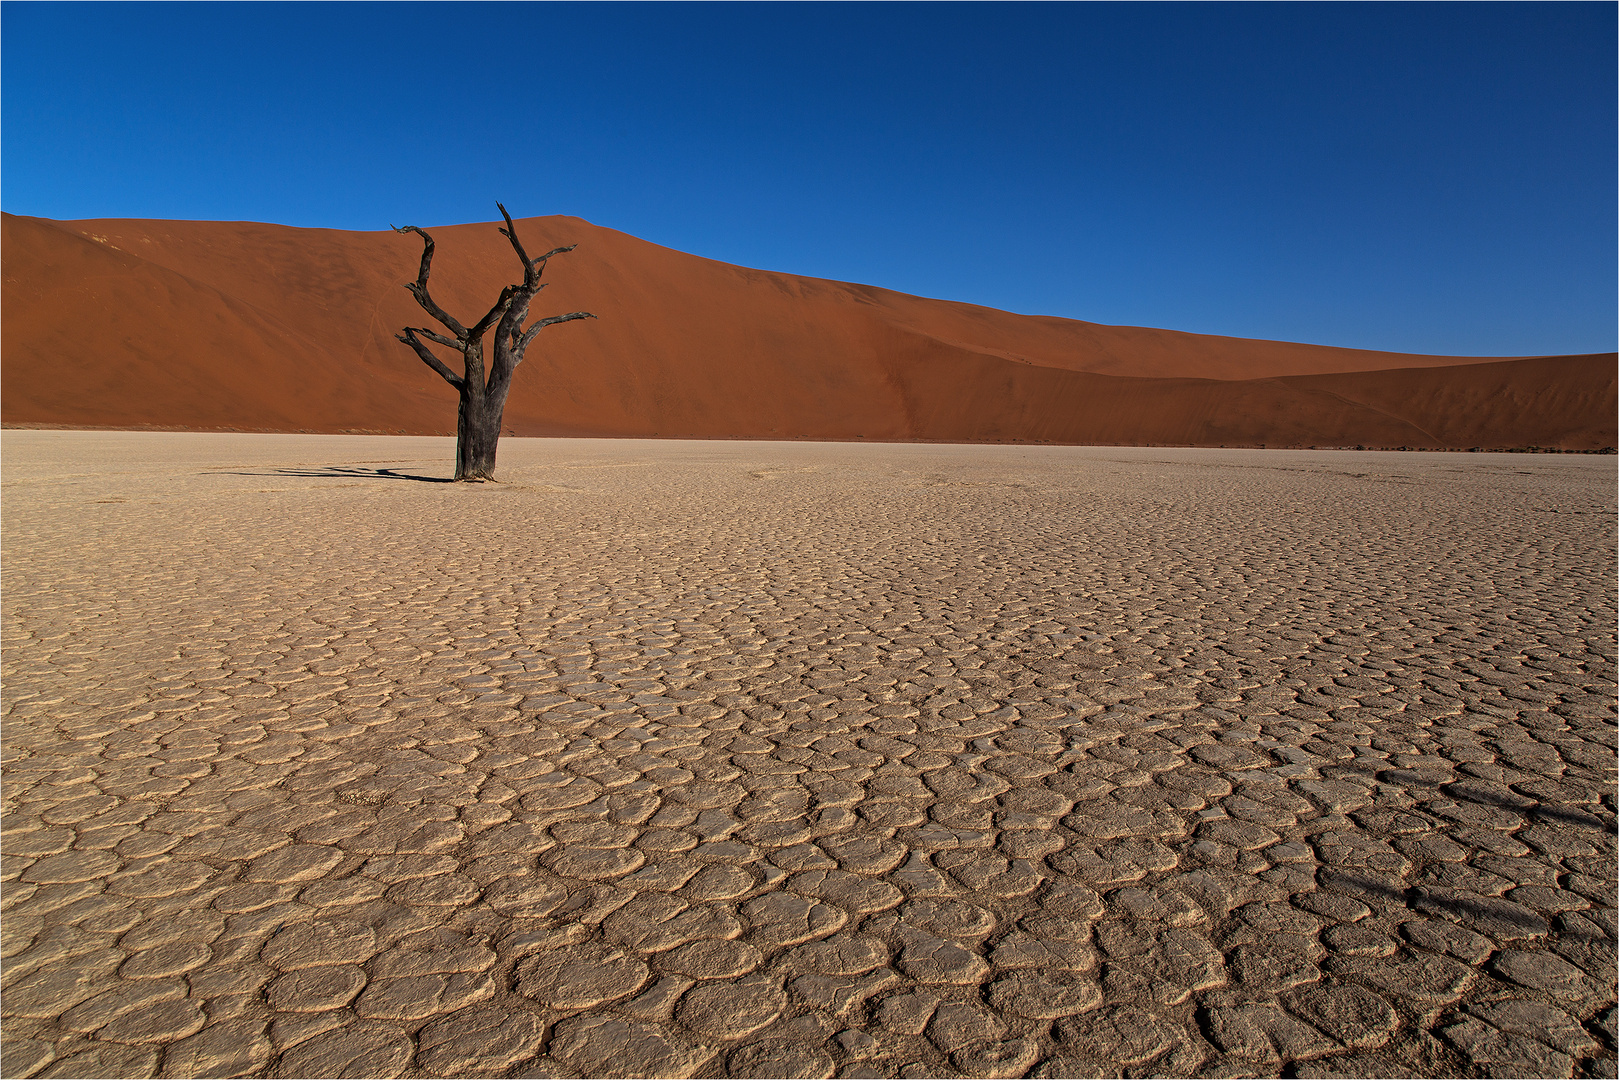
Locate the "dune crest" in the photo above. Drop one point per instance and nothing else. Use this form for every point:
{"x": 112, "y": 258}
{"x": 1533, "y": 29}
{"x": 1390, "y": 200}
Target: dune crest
{"x": 239, "y": 325}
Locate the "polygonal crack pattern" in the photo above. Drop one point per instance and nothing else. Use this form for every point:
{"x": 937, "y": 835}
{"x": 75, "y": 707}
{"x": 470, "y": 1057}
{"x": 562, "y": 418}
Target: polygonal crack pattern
{"x": 804, "y": 760}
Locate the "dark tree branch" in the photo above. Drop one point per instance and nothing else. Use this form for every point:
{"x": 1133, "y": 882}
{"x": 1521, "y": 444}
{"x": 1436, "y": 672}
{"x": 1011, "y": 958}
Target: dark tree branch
{"x": 409, "y": 338}
{"x": 539, "y": 264}
{"x": 532, "y": 268}
{"x": 521, "y": 344}
{"x": 418, "y": 288}
{"x": 496, "y": 313}
{"x": 431, "y": 335}
{"x": 510, "y": 233}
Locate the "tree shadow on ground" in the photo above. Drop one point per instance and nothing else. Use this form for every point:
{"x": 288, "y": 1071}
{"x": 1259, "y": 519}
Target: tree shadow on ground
{"x": 1526, "y": 806}
{"x": 340, "y": 472}
{"x": 1434, "y": 898}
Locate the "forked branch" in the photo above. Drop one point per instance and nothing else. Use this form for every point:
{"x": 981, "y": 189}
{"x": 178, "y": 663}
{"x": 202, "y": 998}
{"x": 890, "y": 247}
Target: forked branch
{"x": 432, "y": 335}
{"x": 532, "y": 268}
{"x": 409, "y": 338}
{"x": 520, "y": 344}
{"x": 495, "y": 313}
{"x": 418, "y": 288}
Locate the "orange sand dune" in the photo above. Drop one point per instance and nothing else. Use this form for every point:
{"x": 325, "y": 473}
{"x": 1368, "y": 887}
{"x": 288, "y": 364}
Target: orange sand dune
{"x": 211, "y": 325}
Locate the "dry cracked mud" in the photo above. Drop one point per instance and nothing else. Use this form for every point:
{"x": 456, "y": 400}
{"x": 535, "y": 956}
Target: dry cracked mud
{"x": 799, "y": 760}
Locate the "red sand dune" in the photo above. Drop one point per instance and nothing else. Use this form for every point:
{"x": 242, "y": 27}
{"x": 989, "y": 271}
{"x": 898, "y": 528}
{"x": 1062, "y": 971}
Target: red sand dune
{"x": 236, "y": 325}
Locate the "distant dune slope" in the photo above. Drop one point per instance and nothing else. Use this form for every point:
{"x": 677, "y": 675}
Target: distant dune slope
{"x": 210, "y": 325}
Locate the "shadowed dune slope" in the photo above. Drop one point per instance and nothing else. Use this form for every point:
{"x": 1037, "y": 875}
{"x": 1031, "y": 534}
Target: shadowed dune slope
{"x": 211, "y": 325}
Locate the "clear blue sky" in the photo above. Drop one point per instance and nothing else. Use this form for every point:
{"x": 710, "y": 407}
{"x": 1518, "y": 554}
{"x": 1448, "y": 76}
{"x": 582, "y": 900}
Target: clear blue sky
{"x": 1423, "y": 178}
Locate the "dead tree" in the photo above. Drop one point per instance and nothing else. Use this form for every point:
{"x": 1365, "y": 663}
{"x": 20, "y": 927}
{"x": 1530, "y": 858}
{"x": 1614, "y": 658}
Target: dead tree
{"x": 483, "y": 393}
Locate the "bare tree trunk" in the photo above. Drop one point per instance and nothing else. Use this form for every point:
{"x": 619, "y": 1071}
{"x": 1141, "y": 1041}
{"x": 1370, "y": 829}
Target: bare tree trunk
{"x": 483, "y": 400}
{"x": 477, "y": 434}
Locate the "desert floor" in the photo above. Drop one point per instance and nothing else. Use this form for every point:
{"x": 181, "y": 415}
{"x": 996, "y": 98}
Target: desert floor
{"x": 772, "y": 759}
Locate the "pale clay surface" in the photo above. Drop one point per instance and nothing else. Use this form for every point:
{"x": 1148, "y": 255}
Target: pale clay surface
{"x": 804, "y": 760}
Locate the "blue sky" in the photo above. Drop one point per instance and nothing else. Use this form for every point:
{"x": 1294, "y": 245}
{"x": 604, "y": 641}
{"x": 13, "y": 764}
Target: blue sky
{"x": 1420, "y": 178}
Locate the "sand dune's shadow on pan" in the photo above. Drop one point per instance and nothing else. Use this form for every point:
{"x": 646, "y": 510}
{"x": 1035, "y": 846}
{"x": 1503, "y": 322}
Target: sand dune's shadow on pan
{"x": 339, "y": 472}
